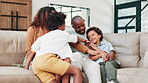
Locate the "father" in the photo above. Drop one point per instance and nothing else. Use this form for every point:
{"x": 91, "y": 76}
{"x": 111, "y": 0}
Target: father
{"x": 91, "y": 69}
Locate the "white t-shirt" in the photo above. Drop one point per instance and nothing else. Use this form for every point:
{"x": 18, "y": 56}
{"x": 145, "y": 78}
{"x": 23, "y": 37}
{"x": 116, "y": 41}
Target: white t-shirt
{"x": 55, "y": 42}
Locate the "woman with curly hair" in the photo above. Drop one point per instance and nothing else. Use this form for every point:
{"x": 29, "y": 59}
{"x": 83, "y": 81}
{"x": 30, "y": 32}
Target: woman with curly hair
{"x": 36, "y": 28}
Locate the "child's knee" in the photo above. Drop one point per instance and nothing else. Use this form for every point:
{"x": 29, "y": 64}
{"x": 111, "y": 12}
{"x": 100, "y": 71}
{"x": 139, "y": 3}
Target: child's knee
{"x": 78, "y": 70}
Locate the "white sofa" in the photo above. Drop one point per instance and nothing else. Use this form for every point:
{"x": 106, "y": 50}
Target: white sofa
{"x": 130, "y": 51}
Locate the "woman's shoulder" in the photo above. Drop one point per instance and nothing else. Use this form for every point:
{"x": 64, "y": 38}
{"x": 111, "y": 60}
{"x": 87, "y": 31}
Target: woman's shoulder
{"x": 37, "y": 30}
{"x": 32, "y": 28}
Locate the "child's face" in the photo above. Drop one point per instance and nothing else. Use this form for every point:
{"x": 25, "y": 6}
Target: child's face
{"x": 93, "y": 37}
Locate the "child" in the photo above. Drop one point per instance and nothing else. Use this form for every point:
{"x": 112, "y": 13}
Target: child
{"x": 109, "y": 67}
{"x": 52, "y": 45}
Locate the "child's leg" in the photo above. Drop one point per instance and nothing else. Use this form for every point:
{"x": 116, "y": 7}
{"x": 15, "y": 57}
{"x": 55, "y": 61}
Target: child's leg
{"x": 75, "y": 72}
{"x": 111, "y": 70}
{"x": 58, "y": 78}
{"x": 48, "y": 64}
{"x": 65, "y": 78}
{"x": 103, "y": 72}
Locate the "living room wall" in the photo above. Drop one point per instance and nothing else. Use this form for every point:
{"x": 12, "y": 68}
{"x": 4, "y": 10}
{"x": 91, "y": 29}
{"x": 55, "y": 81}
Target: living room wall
{"x": 101, "y": 11}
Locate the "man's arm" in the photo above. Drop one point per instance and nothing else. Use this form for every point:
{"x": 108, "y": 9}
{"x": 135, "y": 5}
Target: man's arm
{"x": 83, "y": 48}
{"x": 81, "y": 39}
{"x": 80, "y": 47}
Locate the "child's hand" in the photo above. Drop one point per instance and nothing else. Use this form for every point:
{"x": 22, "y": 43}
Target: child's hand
{"x": 108, "y": 57}
{"x": 87, "y": 42}
{"x": 93, "y": 45}
{"x": 104, "y": 56}
{"x": 67, "y": 60}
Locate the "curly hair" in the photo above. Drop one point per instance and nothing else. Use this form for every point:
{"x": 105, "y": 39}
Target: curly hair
{"x": 41, "y": 17}
{"x": 97, "y": 30}
{"x": 54, "y": 20}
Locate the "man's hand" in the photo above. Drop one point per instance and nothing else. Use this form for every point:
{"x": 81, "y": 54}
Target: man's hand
{"x": 92, "y": 52}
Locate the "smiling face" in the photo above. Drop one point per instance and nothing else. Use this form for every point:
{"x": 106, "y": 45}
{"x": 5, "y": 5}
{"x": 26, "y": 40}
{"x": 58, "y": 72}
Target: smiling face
{"x": 94, "y": 37}
{"x": 79, "y": 25}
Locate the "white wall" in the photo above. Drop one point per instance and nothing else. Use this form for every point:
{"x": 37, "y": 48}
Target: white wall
{"x": 101, "y": 11}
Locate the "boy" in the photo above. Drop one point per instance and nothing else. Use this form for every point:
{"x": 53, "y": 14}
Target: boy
{"x": 109, "y": 68}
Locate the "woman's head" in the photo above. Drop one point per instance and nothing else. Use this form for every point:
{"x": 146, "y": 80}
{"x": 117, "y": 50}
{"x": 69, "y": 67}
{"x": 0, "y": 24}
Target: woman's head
{"x": 94, "y": 34}
{"x": 55, "y": 21}
{"x": 41, "y": 16}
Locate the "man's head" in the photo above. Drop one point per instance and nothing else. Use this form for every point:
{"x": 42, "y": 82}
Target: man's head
{"x": 78, "y": 24}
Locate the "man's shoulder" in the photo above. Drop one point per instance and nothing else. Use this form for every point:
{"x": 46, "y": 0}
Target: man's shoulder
{"x": 70, "y": 30}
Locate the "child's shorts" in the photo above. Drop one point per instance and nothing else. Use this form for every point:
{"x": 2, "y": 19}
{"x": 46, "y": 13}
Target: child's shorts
{"x": 45, "y": 66}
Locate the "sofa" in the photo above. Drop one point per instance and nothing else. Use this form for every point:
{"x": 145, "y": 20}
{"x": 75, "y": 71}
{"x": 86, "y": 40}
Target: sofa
{"x": 131, "y": 50}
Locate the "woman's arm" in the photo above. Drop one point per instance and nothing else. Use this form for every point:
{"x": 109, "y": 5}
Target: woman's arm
{"x": 29, "y": 59}
{"x": 30, "y": 39}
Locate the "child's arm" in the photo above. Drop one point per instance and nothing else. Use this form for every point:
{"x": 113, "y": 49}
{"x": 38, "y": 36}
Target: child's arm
{"x": 102, "y": 53}
{"x": 111, "y": 55}
{"x": 82, "y": 40}
{"x": 95, "y": 57}
{"x": 112, "y": 52}
{"x": 29, "y": 59}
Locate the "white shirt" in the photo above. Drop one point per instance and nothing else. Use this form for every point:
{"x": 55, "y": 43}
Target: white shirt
{"x": 55, "y": 42}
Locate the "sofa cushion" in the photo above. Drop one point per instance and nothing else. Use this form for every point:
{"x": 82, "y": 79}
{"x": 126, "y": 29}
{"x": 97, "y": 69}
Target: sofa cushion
{"x": 145, "y": 60}
{"x": 17, "y": 75}
{"x": 126, "y": 46}
{"x": 12, "y": 47}
{"x": 132, "y": 75}
{"x": 143, "y": 46}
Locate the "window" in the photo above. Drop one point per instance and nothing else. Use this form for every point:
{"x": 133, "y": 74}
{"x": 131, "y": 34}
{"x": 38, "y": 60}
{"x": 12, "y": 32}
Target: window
{"x": 128, "y": 17}
{"x": 72, "y": 11}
